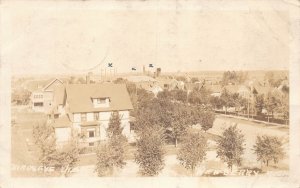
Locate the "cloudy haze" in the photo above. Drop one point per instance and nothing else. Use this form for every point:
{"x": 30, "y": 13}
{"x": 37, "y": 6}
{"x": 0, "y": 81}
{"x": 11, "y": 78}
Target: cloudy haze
{"x": 75, "y": 39}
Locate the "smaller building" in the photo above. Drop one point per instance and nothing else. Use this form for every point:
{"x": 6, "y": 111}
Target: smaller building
{"x": 42, "y": 99}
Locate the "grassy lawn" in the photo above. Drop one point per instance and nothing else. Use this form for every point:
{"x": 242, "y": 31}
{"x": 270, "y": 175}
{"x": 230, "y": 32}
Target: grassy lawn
{"x": 21, "y": 137}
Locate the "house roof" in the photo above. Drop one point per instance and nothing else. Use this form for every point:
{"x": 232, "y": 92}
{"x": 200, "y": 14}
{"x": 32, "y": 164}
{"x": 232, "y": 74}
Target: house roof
{"x": 49, "y": 84}
{"x": 59, "y": 94}
{"x": 62, "y": 122}
{"x": 79, "y": 97}
{"x": 40, "y": 85}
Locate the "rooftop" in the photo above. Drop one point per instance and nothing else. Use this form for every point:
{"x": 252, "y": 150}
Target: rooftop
{"x": 79, "y": 97}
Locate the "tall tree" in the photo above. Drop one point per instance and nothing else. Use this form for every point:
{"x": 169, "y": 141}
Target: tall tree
{"x": 207, "y": 120}
{"x": 270, "y": 103}
{"x": 226, "y": 99}
{"x": 67, "y": 156}
{"x": 192, "y": 151}
{"x": 268, "y": 148}
{"x": 259, "y": 103}
{"x": 179, "y": 122}
{"x": 150, "y": 152}
{"x": 114, "y": 125}
{"x": 111, "y": 155}
{"x": 64, "y": 158}
{"x": 230, "y": 147}
{"x": 44, "y": 138}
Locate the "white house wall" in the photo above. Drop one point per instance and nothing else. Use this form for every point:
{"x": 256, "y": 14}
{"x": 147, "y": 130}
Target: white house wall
{"x": 90, "y": 116}
{"x": 77, "y": 117}
{"x": 62, "y": 134}
{"x": 105, "y": 116}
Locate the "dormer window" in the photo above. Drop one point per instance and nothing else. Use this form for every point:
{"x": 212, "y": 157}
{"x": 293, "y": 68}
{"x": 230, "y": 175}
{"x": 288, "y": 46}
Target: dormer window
{"x": 101, "y": 102}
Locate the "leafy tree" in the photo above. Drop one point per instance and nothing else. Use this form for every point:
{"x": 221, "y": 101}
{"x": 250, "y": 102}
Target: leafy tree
{"x": 105, "y": 161}
{"x": 44, "y": 138}
{"x": 150, "y": 153}
{"x": 230, "y": 146}
{"x": 242, "y": 76}
{"x": 155, "y": 112}
{"x": 67, "y": 157}
{"x": 179, "y": 95}
{"x": 283, "y": 103}
{"x": 192, "y": 151}
{"x": 179, "y": 122}
{"x": 114, "y": 125}
{"x": 194, "y": 79}
{"x": 207, "y": 120}
{"x": 268, "y": 148}
{"x": 21, "y": 96}
{"x": 111, "y": 155}
{"x": 200, "y": 96}
{"x": 270, "y": 103}
{"x": 226, "y": 99}
{"x": 259, "y": 103}
{"x": 120, "y": 81}
{"x": 215, "y": 102}
{"x": 64, "y": 157}
{"x": 232, "y": 77}
{"x": 229, "y": 77}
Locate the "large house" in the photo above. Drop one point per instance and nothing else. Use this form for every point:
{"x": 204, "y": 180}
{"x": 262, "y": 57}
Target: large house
{"x": 42, "y": 99}
{"x": 87, "y": 108}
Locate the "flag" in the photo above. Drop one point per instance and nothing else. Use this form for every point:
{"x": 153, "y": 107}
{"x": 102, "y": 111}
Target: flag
{"x": 110, "y": 65}
{"x": 151, "y": 65}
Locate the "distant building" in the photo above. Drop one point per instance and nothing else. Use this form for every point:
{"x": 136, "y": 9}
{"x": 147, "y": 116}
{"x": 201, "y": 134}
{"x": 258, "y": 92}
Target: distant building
{"x": 87, "y": 109}
{"x": 42, "y": 99}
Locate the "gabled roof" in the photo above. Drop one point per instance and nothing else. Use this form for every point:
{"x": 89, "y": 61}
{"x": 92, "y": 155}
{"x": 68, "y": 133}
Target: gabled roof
{"x": 53, "y": 81}
{"x": 79, "y": 97}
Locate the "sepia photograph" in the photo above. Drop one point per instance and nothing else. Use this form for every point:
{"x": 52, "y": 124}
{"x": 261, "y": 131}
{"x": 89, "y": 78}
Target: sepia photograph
{"x": 121, "y": 89}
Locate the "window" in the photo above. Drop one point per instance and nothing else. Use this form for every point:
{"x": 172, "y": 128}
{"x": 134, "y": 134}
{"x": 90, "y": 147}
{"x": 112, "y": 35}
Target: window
{"x": 91, "y": 144}
{"x": 96, "y": 116}
{"x": 39, "y": 104}
{"x": 38, "y": 96}
{"x": 101, "y": 101}
{"x": 83, "y": 116}
{"x": 92, "y": 134}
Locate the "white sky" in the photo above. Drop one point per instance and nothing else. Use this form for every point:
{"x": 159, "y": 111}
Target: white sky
{"x": 40, "y": 39}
